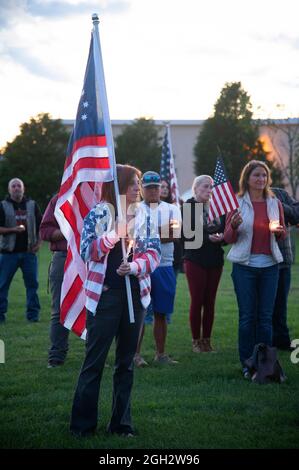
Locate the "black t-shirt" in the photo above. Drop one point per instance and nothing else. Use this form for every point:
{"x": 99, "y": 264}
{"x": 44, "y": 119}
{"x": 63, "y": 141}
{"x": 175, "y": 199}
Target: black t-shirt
{"x": 21, "y": 219}
{"x": 209, "y": 255}
{"x": 112, "y": 279}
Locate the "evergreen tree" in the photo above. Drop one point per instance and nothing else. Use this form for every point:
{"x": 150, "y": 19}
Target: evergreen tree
{"x": 139, "y": 145}
{"x": 232, "y": 133}
{"x": 36, "y": 156}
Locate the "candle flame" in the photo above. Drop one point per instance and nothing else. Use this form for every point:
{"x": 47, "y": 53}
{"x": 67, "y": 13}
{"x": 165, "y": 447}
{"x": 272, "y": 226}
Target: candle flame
{"x": 274, "y": 224}
{"x": 130, "y": 245}
{"x": 174, "y": 223}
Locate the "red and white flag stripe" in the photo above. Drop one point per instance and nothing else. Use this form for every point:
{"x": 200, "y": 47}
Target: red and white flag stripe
{"x": 223, "y": 200}
{"x": 73, "y": 211}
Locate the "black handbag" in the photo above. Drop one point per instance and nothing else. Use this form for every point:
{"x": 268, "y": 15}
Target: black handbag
{"x": 264, "y": 365}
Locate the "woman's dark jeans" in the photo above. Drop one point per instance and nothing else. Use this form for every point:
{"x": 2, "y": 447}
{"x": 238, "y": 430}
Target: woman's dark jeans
{"x": 111, "y": 321}
{"x": 256, "y": 291}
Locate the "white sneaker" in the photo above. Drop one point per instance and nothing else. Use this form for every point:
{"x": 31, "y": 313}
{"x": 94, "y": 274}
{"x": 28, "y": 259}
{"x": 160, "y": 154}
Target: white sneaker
{"x": 139, "y": 361}
{"x": 164, "y": 359}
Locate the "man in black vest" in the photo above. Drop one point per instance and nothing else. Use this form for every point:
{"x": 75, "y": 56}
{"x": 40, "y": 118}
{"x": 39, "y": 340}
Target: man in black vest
{"x": 19, "y": 242}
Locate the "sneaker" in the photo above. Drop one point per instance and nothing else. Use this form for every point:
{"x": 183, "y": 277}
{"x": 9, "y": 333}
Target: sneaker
{"x": 139, "y": 361}
{"x": 52, "y": 364}
{"x": 246, "y": 373}
{"x": 196, "y": 346}
{"x": 164, "y": 359}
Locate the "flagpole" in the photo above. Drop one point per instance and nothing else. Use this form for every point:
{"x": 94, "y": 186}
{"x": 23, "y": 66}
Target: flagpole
{"x": 219, "y": 152}
{"x": 169, "y": 139}
{"x": 102, "y": 88}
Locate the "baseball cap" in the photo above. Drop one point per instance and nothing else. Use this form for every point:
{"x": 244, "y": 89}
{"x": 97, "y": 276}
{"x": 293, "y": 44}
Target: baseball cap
{"x": 150, "y": 178}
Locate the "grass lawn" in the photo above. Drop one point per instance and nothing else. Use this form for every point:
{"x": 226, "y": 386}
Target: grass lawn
{"x": 202, "y": 402}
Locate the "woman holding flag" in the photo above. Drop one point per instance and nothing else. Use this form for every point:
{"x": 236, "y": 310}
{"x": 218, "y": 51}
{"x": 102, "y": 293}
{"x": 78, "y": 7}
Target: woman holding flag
{"x": 254, "y": 230}
{"x": 106, "y": 303}
{"x": 203, "y": 266}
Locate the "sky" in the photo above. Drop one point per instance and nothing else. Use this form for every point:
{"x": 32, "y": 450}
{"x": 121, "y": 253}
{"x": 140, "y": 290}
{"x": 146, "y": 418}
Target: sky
{"x": 164, "y": 59}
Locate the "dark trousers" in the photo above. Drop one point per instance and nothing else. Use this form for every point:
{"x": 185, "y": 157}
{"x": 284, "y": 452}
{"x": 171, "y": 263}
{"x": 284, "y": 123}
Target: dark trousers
{"x": 203, "y": 284}
{"x": 256, "y": 291}
{"x": 281, "y": 337}
{"x": 111, "y": 321}
{"x": 58, "y": 333}
{"x": 9, "y": 264}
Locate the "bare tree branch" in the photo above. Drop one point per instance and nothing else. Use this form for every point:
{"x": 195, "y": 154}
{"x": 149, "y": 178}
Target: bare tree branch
{"x": 286, "y": 149}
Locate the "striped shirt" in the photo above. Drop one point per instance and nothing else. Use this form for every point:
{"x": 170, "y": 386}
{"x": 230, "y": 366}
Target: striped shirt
{"x": 98, "y": 239}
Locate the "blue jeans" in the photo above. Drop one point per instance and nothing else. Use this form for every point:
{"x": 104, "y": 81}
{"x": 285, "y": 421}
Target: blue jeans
{"x": 256, "y": 291}
{"x": 281, "y": 337}
{"x": 9, "y": 264}
{"x": 111, "y": 321}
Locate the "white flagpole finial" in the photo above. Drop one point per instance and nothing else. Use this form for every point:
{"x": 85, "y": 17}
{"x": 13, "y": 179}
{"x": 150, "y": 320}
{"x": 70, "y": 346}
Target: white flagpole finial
{"x": 95, "y": 18}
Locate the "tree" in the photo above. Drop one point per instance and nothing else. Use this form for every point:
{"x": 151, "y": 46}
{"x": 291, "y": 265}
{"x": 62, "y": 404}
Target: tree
{"x": 36, "y": 156}
{"x": 284, "y": 137}
{"x": 139, "y": 145}
{"x": 233, "y": 133}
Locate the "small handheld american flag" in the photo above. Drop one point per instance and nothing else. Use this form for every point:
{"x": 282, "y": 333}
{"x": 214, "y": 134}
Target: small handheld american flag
{"x": 223, "y": 199}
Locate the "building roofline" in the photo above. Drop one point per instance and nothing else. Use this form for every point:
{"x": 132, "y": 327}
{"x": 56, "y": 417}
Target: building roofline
{"x": 189, "y": 122}
{"x": 158, "y": 122}
{"x": 266, "y": 122}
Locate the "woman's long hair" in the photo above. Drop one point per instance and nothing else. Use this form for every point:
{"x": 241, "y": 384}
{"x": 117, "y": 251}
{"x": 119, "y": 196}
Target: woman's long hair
{"x": 125, "y": 177}
{"x": 168, "y": 198}
{"x": 246, "y": 172}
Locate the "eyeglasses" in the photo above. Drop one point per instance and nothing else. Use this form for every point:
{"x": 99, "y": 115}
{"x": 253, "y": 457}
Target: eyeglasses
{"x": 151, "y": 179}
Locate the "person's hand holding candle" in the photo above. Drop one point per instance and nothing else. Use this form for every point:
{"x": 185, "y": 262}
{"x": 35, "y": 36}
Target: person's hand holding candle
{"x": 19, "y": 228}
{"x": 275, "y": 227}
{"x": 174, "y": 224}
{"x": 216, "y": 237}
{"x": 175, "y": 228}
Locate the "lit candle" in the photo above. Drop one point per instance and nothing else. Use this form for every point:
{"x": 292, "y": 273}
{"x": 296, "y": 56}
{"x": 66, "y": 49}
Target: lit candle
{"x": 131, "y": 242}
{"x": 273, "y": 225}
{"x": 174, "y": 223}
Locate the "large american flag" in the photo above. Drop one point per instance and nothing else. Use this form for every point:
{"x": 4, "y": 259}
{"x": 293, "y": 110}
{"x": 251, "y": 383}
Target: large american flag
{"x": 167, "y": 170}
{"x": 223, "y": 199}
{"x": 88, "y": 164}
